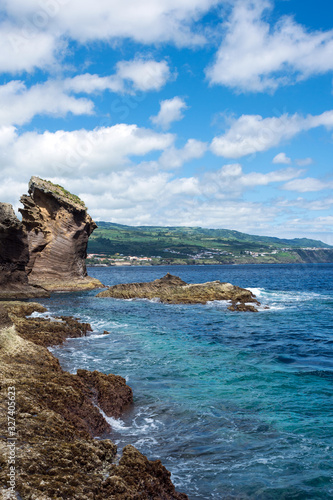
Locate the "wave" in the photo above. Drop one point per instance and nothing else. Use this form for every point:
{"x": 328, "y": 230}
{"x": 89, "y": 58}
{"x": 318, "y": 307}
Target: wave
{"x": 281, "y": 299}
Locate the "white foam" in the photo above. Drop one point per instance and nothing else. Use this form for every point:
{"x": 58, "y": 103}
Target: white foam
{"x": 45, "y": 315}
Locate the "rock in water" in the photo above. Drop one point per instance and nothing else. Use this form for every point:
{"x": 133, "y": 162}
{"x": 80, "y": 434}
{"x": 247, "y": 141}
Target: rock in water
{"x": 173, "y": 290}
{"x": 58, "y": 228}
{"x": 14, "y": 256}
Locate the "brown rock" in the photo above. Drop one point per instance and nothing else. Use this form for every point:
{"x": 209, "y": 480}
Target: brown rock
{"x": 111, "y": 392}
{"x": 58, "y": 228}
{"x": 173, "y": 290}
{"x": 14, "y": 256}
{"x": 56, "y": 418}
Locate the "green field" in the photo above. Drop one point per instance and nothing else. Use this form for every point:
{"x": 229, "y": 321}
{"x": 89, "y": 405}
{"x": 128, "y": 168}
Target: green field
{"x": 199, "y": 244}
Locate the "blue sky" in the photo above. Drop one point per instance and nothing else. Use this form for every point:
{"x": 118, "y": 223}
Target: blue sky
{"x": 209, "y": 113}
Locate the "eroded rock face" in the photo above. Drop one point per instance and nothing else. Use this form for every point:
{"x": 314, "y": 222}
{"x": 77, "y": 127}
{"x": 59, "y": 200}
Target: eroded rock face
{"x": 173, "y": 290}
{"x": 58, "y": 227}
{"x": 56, "y": 418}
{"x": 14, "y": 257}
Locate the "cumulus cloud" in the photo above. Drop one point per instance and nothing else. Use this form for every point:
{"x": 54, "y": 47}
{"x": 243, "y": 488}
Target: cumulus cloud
{"x": 170, "y": 111}
{"x": 174, "y": 158}
{"x": 307, "y": 185}
{"x": 130, "y": 76}
{"x": 79, "y": 152}
{"x": 24, "y": 50}
{"x": 33, "y": 32}
{"x": 304, "y": 162}
{"x": 253, "y": 133}
{"x": 19, "y": 104}
{"x": 282, "y": 158}
{"x": 255, "y": 56}
{"x": 230, "y": 180}
{"x": 317, "y": 205}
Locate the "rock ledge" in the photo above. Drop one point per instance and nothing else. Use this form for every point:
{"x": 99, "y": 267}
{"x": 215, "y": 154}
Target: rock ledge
{"x": 173, "y": 290}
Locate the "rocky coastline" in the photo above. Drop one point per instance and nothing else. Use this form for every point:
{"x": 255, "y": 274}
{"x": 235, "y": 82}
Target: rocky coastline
{"x": 46, "y": 251}
{"x": 173, "y": 290}
{"x": 57, "y": 417}
{"x": 53, "y": 432}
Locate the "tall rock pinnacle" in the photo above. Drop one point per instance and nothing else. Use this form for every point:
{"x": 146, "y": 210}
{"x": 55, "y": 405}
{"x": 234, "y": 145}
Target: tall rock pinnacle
{"x": 58, "y": 227}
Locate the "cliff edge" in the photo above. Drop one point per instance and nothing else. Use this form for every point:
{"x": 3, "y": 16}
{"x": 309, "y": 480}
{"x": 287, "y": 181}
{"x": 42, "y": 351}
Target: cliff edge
{"x": 14, "y": 257}
{"x": 58, "y": 227}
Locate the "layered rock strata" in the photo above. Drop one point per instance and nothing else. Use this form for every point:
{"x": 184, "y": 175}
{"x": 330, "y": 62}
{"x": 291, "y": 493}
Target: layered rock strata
{"x": 58, "y": 227}
{"x": 173, "y": 290}
{"x": 56, "y": 417}
{"x": 14, "y": 257}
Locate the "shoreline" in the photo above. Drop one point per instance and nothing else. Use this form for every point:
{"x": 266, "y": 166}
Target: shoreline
{"x": 50, "y": 449}
{"x": 164, "y": 264}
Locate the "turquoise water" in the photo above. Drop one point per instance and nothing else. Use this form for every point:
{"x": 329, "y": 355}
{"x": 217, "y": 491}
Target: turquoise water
{"x": 236, "y": 405}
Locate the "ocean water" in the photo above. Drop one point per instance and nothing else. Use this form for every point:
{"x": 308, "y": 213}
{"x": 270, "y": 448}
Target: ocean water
{"x": 236, "y": 405}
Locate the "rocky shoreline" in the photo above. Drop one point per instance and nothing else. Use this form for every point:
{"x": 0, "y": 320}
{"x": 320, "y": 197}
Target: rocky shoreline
{"x": 173, "y": 290}
{"x": 57, "y": 417}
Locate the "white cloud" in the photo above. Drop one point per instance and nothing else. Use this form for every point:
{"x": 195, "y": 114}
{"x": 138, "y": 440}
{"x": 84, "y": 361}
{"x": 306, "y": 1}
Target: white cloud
{"x": 317, "y": 205}
{"x": 19, "y": 104}
{"x": 255, "y": 56}
{"x": 170, "y": 111}
{"x": 24, "y": 50}
{"x": 282, "y": 158}
{"x": 129, "y": 197}
{"x": 304, "y": 162}
{"x": 253, "y": 133}
{"x": 230, "y": 180}
{"x": 34, "y": 31}
{"x": 144, "y": 75}
{"x": 174, "y": 158}
{"x": 307, "y": 185}
{"x": 79, "y": 152}
{"x": 137, "y": 74}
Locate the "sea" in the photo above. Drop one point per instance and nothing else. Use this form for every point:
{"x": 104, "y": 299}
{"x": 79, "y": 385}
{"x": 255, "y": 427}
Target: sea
{"x": 236, "y": 405}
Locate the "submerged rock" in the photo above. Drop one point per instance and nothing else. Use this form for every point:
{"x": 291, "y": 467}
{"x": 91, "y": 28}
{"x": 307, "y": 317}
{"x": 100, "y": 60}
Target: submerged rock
{"x": 58, "y": 227}
{"x": 57, "y": 417}
{"x": 14, "y": 257}
{"x": 173, "y": 290}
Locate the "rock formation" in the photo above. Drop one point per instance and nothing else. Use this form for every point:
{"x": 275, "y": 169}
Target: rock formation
{"x": 173, "y": 290}
{"x": 56, "y": 417}
{"x": 14, "y": 256}
{"x": 58, "y": 229}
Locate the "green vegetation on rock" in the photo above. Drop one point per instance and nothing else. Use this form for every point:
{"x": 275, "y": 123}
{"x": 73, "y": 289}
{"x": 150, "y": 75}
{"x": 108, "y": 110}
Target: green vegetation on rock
{"x": 63, "y": 192}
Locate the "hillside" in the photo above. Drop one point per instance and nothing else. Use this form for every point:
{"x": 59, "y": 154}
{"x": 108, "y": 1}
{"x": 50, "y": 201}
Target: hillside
{"x": 200, "y": 245}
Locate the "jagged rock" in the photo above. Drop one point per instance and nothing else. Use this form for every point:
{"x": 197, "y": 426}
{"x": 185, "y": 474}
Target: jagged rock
{"x": 173, "y": 290}
{"x": 14, "y": 256}
{"x": 56, "y": 418}
{"x": 58, "y": 228}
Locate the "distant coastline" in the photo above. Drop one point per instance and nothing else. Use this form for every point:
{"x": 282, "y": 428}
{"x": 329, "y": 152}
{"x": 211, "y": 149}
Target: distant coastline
{"x": 295, "y": 256}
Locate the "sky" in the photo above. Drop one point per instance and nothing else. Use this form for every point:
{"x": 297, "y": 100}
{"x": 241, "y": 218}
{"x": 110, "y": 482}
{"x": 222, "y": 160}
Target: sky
{"x": 211, "y": 113}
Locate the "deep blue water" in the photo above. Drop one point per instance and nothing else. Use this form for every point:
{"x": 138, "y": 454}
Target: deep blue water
{"x": 236, "y": 405}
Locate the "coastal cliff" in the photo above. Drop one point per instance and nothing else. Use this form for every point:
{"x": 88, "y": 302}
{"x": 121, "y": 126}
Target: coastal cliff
{"x": 58, "y": 227}
{"x": 14, "y": 257}
{"x": 173, "y": 290}
{"x": 56, "y": 418}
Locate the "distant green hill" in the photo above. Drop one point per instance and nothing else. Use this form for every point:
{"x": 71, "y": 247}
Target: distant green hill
{"x": 222, "y": 245}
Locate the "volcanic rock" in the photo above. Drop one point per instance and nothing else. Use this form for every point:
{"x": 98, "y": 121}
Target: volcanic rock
{"x": 56, "y": 417}
{"x": 14, "y": 256}
{"x": 58, "y": 228}
{"x": 173, "y": 290}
